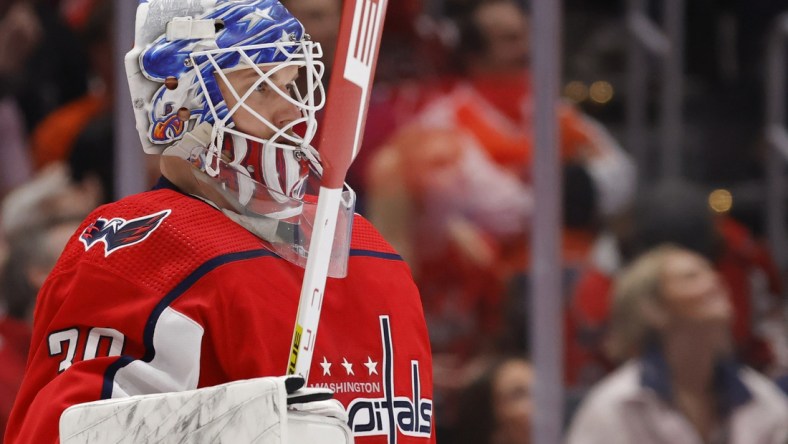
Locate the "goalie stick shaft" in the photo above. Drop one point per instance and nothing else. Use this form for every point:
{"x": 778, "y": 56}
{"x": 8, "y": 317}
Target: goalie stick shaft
{"x": 358, "y": 44}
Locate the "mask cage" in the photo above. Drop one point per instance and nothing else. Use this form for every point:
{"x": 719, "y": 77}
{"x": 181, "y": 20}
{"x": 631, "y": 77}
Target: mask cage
{"x": 302, "y": 54}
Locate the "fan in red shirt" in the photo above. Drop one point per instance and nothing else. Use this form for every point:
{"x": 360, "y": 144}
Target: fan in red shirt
{"x": 196, "y": 282}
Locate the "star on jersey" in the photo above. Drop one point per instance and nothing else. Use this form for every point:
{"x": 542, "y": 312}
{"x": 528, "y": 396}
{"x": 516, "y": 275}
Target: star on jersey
{"x": 348, "y": 366}
{"x": 326, "y": 367}
{"x": 371, "y": 365}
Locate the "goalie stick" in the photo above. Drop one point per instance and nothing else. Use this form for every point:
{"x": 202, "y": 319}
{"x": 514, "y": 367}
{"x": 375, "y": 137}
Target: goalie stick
{"x": 358, "y": 44}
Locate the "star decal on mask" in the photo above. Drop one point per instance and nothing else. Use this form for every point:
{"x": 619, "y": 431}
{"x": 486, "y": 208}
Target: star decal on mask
{"x": 372, "y": 366}
{"x": 326, "y": 367}
{"x": 348, "y": 366}
{"x": 284, "y": 38}
{"x": 257, "y": 15}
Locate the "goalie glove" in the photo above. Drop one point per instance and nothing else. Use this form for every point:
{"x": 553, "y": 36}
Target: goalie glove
{"x": 313, "y": 416}
{"x": 262, "y": 411}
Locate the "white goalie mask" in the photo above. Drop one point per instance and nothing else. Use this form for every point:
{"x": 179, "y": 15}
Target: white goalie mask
{"x": 227, "y": 69}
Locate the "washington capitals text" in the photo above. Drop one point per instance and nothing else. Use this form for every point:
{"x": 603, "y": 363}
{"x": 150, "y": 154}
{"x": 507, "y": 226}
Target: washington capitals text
{"x": 117, "y": 233}
{"x": 390, "y": 414}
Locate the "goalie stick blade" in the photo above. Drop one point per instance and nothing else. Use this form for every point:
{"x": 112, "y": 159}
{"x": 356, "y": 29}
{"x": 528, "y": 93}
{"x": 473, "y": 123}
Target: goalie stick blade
{"x": 358, "y": 46}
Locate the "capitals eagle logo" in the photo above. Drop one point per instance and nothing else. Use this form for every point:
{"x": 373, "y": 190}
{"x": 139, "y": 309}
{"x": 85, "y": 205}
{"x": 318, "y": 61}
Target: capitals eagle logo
{"x": 117, "y": 233}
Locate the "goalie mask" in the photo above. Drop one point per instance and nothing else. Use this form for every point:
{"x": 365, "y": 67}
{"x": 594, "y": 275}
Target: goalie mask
{"x": 214, "y": 82}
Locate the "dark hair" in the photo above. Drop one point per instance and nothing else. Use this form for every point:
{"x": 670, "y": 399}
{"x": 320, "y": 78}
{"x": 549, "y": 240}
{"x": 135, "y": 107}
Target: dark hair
{"x": 675, "y": 212}
{"x": 476, "y": 421}
{"x": 93, "y": 155}
{"x": 476, "y": 415}
{"x": 470, "y": 36}
{"x": 471, "y": 39}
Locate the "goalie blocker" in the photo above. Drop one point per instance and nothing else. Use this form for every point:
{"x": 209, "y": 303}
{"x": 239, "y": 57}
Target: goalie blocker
{"x": 272, "y": 410}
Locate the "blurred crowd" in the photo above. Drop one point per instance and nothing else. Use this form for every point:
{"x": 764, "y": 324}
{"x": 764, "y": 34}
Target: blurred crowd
{"x": 674, "y": 314}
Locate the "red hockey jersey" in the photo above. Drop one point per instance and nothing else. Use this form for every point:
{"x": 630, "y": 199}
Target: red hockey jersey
{"x": 161, "y": 292}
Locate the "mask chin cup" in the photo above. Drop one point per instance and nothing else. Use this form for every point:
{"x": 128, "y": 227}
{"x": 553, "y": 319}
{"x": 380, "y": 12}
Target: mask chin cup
{"x": 285, "y": 224}
{"x": 293, "y": 236}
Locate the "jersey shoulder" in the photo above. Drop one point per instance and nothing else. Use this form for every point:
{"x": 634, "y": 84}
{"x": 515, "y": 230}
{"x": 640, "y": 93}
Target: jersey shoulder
{"x": 160, "y": 234}
{"x": 367, "y": 237}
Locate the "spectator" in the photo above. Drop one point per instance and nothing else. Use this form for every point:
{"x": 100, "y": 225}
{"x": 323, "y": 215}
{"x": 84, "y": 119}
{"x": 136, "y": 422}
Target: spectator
{"x": 53, "y": 139}
{"x": 34, "y": 253}
{"x": 671, "y": 212}
{"x": 671, "y": 319}
{"x": 15, "y": 165}
{"x": 492, "y": 103}
{"x": 434, "y": 193}
{"x": 454, "y": 215}
{"x": 488, "y": 113}
{"x": 453, "y": 186}
{"x": 496, "y": 407}
{"x": 37, "y": 219}
{"x": 580, "y": 228}
{"x": 50, "y": 195}
{"x": 436, "y": 176}
{"x": 42, "y": 63}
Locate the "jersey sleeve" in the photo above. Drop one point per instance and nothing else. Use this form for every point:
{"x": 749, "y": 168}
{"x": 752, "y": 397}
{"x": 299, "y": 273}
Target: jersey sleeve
{"x": 75, "y": 342}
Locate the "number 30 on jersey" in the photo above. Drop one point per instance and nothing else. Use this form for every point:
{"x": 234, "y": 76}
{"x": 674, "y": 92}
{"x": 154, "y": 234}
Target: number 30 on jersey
{"x": 65, "y": 343}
